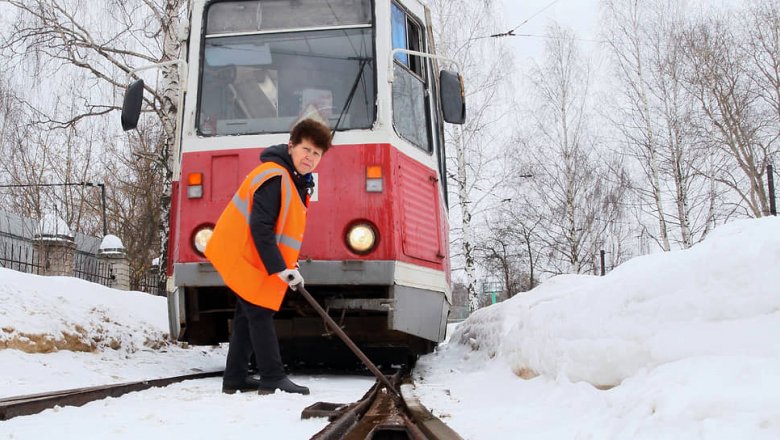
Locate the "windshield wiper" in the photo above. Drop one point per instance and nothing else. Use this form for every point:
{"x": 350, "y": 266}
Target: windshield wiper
{"x": 348, "y": 102}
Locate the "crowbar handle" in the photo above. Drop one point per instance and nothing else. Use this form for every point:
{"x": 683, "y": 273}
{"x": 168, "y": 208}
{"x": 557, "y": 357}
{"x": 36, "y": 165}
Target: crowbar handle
{"x": 355, "y": 349}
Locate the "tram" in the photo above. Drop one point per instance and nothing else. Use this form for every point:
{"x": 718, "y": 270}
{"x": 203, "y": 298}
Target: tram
{"x": 376, "y": 249}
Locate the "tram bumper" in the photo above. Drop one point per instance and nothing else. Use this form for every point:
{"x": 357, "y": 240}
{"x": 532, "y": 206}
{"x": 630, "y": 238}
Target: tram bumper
{"x": 417, "y": 300}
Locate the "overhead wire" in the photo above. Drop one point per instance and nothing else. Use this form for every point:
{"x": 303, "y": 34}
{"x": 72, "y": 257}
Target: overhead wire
{"x": 511, "y": 32}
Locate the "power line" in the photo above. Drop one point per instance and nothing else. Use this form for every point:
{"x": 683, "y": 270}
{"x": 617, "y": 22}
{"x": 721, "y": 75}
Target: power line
{"x": 511, "y": 32}
{"x": 551, "y": 37}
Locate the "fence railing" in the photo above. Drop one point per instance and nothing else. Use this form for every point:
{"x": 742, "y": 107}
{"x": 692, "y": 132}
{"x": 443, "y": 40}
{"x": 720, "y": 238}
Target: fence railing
{"x": 149, "y": 283}
{"x": 89, "y": 267}
{"x": 19, "y": 254}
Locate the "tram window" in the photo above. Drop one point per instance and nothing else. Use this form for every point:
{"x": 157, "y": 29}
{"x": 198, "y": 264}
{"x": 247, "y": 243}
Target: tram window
{"x": 409, "y": 88}
{"x": 264, "y": 83}
{"x": 406, "y": 35}
{"x": 252, "y": 16}
{"x": 409, "y": 113}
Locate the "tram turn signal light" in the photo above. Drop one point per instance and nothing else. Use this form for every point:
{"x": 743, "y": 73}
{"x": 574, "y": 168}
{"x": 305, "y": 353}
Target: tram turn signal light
{"x": 195, "y": 185}
{"x": 374, "y": 178}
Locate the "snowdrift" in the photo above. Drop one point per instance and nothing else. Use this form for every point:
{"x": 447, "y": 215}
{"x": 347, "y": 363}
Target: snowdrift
{"x": 48, "y": 314}
{"x": 717, "y": 300}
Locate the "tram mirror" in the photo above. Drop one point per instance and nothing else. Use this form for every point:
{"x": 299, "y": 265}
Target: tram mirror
{"x": 453, "y": 102}
{"x": 131, "y": 106}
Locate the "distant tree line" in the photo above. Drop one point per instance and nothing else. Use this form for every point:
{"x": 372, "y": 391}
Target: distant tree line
{"x": 64, "y": 65}
{"x": 674, "y": 140}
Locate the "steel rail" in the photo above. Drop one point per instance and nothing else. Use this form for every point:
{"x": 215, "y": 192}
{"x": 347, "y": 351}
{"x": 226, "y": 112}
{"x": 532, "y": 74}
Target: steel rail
{"x": 380, "y": 414}
{"x": 11, "y": 407}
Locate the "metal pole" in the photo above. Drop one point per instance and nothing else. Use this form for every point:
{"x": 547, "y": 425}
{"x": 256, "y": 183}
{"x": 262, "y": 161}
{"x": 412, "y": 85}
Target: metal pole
{"x": 770, "y": 178}
{"x": 336, "y": 329}
{"x": 103, "y": 197}
{"x": 601, "y": 253}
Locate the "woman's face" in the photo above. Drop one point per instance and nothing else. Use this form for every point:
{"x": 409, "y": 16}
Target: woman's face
{"x": 305, "y": 156}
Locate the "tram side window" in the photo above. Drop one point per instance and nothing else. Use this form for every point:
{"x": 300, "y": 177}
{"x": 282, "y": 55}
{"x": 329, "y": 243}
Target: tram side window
{"x": 409, "y": 88}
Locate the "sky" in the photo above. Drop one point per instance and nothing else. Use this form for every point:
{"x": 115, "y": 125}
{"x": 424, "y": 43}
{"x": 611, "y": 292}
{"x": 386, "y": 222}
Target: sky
{"x": 579, "y": 15}
{"x": 681, "y": 345}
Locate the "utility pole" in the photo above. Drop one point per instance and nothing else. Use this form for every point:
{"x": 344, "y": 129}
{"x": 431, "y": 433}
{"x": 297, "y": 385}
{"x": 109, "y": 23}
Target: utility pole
{"x": 770, "y": 178}
{"x": 601, "y": 255}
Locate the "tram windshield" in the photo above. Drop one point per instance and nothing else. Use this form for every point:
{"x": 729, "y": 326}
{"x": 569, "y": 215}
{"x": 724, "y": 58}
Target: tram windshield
{"x": 261, "y": 75}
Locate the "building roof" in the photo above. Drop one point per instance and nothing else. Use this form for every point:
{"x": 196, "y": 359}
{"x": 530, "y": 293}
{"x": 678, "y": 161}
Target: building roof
{"x": 15, "y": 226}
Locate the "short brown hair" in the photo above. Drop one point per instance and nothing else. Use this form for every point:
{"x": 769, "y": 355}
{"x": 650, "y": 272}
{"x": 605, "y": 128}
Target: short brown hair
{"x": 316, "y": 132}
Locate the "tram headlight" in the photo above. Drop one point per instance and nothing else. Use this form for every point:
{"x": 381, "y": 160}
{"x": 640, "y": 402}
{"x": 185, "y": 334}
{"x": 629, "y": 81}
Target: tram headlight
{"x": 201, "y": 238}
{"x": 361, "y": 238}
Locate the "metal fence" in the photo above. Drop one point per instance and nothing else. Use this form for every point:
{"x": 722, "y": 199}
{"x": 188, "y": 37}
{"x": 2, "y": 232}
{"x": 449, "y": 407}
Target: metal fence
{"x": 19, "y": 254}
{"x": 149, "y": 283}
{"x": 89, "y": 267}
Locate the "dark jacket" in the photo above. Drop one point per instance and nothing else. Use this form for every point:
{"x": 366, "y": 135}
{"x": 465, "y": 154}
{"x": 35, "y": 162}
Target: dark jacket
{"x": 266, "y": 205}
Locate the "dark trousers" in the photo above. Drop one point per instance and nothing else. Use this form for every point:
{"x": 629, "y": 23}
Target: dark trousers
{"x": 253, "y": 331}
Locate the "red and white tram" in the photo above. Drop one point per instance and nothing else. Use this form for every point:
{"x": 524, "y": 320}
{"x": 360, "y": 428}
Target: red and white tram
{"x": 376, "y": 248}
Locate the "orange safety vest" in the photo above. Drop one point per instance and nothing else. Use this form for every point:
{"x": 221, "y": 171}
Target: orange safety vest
{"x": 232, "y": 250}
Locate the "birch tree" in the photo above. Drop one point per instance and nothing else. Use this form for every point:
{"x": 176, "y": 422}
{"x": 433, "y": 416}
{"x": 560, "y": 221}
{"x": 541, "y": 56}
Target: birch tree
{"x": 106, "y": 41}
{"x": 733, "y": 116}
{"x": 462, "y": 30}
{"x": 762, "y": 20}
{"x": 568, "y": 188}
{"x": 655, "y": 118}
{"x": 624, "y": 38}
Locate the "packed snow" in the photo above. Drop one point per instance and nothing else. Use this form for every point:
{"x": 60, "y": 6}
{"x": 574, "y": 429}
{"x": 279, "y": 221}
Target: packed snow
{"x": 682, "y": 344}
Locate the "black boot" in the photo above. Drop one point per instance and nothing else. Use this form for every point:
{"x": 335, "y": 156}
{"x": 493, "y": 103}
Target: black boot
{"x": 249, "y": 384}
{"x": 268, "y": 386}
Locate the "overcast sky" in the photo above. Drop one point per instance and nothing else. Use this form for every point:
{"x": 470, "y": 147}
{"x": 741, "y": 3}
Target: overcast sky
{"x": 579, "y": 15}
{"x": 582, "y": 16}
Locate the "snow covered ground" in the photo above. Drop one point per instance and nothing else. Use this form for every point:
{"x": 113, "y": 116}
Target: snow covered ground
{"x": 676, "y": 345}
{"x": 60, "y": 333}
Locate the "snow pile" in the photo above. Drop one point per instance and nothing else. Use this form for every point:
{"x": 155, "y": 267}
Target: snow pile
{"x": 111, "y": 244}
{"x": 675, "y": 345}
{"x": 718, "y": 298}
{"x": 76, "y": 315}
{"x": 116, "y": 328}
{"x": 59, "y": 333}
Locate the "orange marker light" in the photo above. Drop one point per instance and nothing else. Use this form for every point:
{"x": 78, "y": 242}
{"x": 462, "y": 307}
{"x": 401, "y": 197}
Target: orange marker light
{"x": 195, "y": 179}
{"x": 195, "y": 185}
{"x": 374, "y": 178}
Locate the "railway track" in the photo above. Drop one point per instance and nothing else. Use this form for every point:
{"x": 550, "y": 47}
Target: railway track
{"x": 387, "y": 411}
{"x": 382, "y": 413}
{"x": 34, "y": 403}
